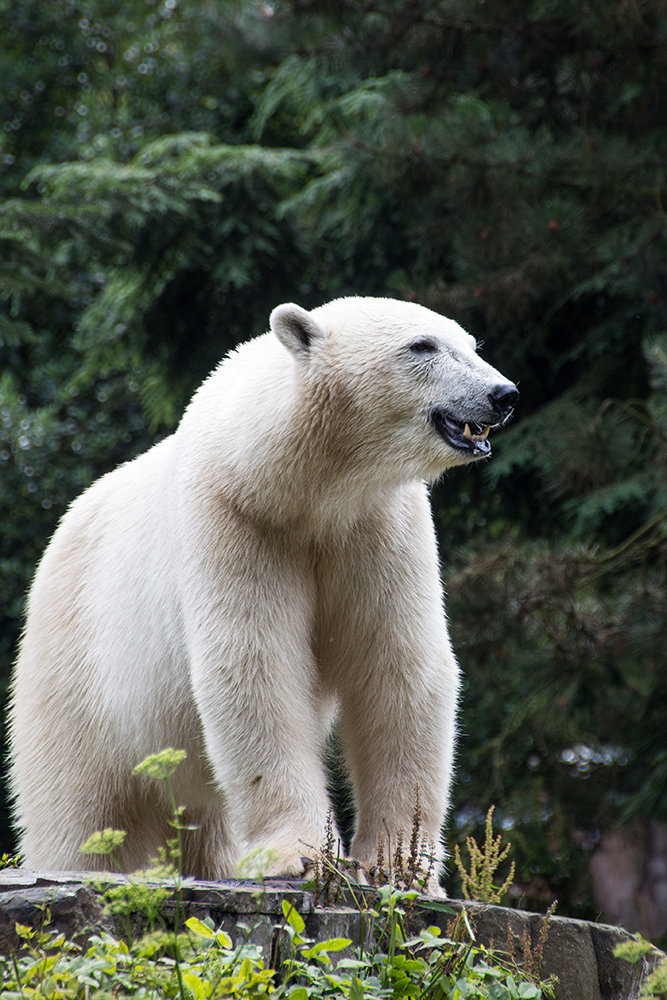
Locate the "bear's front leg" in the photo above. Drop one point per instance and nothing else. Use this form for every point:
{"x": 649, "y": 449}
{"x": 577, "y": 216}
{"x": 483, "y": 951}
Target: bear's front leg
{"x": 385, "y": 650}
{"x": 248, "y": 607}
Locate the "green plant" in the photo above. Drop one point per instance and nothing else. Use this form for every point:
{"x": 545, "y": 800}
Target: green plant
{"x": 531, "y": 957}
{"x": 136, "y": 894}
{"x": 10, "y": 861}
{"x": 432, "y": 966}
{"x": 655, "y": 984}
{"x": 139, "y": 893}
{"x": 104, "y": 842}
{"x": 201, "y": 963}
{"x": 47, "y": 965}
{"x": 414, "y": 868}
{"x": 477, "y": 883}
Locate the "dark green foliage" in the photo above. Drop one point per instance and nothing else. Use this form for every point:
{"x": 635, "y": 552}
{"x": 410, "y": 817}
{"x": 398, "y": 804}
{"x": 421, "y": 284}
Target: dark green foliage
{"x": 172, "y": 170}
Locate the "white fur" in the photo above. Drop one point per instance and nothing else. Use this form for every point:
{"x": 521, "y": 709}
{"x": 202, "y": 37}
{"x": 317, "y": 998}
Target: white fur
{"x": 270, "y": 564}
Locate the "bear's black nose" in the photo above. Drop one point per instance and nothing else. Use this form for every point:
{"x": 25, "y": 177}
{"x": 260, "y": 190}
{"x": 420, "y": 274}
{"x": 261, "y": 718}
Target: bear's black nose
{"x": 503, "y": 399}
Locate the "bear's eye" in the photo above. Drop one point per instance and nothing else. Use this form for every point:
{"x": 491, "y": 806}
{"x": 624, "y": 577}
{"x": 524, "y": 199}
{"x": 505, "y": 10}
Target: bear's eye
{"x": 424, "y": 346}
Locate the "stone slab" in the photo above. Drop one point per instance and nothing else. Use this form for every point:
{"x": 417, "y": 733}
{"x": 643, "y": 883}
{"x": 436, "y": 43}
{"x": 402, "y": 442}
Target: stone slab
{"x": 578, "y": 952}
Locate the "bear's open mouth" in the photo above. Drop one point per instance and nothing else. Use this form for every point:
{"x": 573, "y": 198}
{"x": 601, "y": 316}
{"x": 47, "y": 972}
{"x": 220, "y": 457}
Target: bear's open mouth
{"x": 469, "y": 437}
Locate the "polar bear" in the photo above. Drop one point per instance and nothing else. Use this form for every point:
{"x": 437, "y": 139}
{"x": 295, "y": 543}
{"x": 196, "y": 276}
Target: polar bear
{"x": 267, "y": 568}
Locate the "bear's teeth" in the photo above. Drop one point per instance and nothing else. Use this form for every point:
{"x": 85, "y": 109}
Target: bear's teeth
{"x": 476, "y": 437}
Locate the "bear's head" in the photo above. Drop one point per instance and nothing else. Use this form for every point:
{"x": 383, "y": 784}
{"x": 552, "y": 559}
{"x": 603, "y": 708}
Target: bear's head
{"x": 410, "y": 380}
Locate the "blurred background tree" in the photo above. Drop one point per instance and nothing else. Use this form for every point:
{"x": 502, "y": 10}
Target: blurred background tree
{"x": 171, "y": 170}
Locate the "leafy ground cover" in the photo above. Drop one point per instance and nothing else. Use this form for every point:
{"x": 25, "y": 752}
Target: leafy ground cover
{"x": 201, "y": 962}
{"x": 195, "y": 961}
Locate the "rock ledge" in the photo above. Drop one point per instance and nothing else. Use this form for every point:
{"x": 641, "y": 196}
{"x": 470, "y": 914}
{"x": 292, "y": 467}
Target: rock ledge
{"x": 578, "y": 952}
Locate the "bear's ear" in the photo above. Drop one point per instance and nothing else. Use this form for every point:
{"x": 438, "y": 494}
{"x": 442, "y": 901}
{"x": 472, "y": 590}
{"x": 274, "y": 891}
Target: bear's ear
{"x": 295, "y": 328}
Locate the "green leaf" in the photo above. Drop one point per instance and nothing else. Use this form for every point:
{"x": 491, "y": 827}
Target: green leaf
{"x": 356, "y": 988}
{"x": 294, "y": 919}
{"x": 199, "y": 989}
{"x": 333, "y": 944}
{"x": 199, "y": 928}
{"x": 223, "y": 939}
{"x": 438, "y": 907}
{"x": 529, "y": 991}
